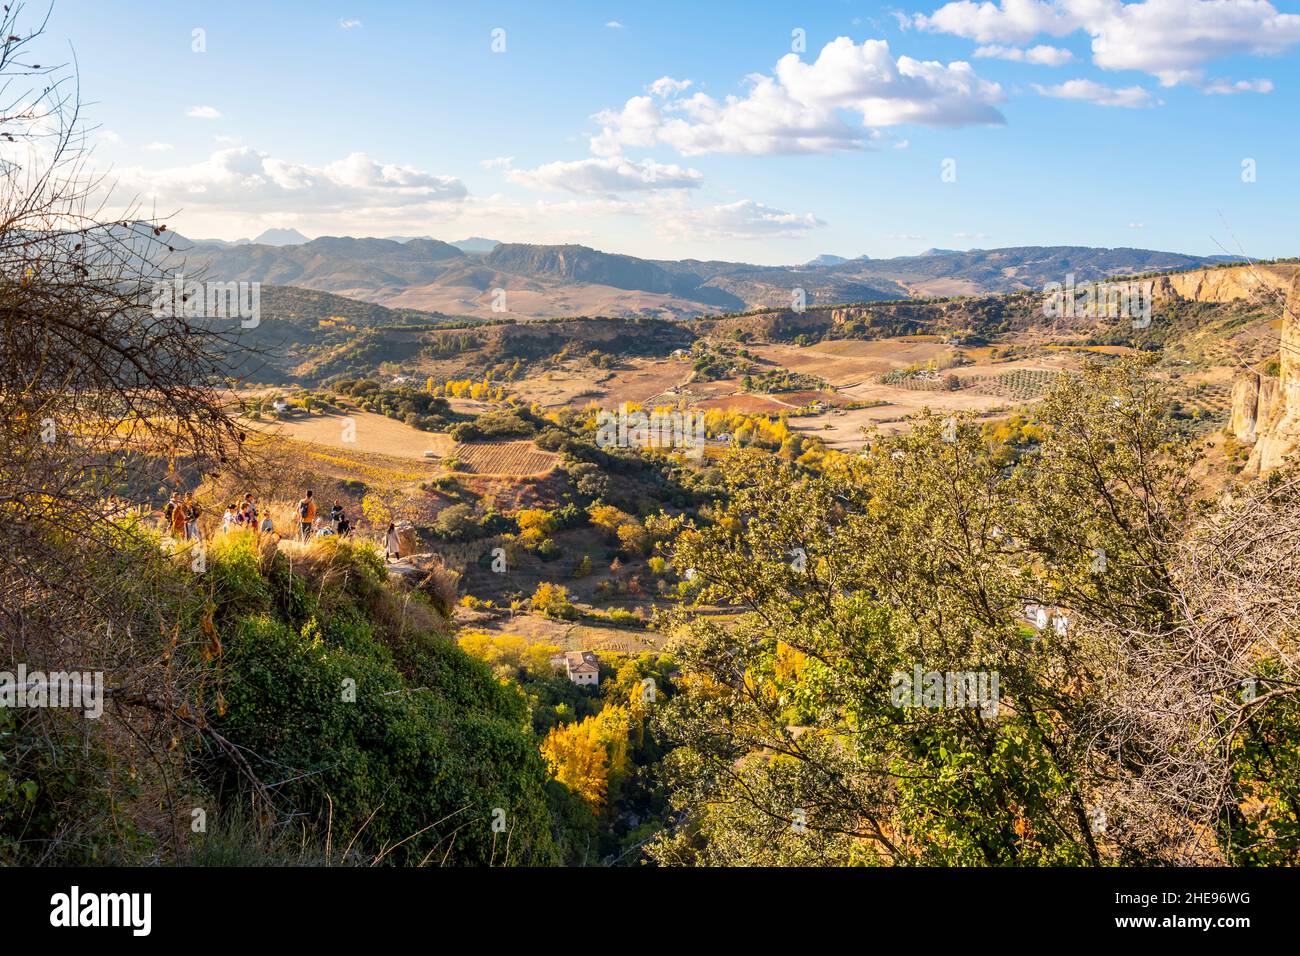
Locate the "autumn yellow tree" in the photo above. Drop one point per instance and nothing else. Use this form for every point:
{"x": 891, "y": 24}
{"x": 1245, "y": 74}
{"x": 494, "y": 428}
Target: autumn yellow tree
{"x": 553, "y": 600}
{"x": 534, "y": 526}
{"x": 508, "y": 654}
{"x": 589, "y": 757}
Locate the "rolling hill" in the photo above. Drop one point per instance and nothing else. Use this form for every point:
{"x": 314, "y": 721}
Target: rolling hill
{"x": 543, "y": 281}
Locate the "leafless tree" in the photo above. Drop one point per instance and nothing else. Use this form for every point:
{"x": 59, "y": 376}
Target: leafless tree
{"x": 102, "y": 396}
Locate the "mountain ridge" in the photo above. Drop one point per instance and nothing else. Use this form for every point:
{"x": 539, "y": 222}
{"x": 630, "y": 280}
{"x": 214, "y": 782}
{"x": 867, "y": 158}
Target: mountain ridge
{"x": 551, "y": 280}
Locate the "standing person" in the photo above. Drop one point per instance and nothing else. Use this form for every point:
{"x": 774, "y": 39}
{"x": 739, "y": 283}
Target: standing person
{"x": 336, "y": 515}
{"x": 179, "y": 518}
{"x": 392, "y": 547}
{"x": 168, "y": 510}
{"x": 252, "y": 507}
{"x": 230, "y": 520}
{"x": 267, "y": 526}
{"x": 306, "y": 515}
{"x": 245, "y": 517}
{"x": 192, "y": 510}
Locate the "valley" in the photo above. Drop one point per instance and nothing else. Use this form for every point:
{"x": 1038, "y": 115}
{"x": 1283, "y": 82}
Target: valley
{"x": 658, "y": 438}
{"x": 846, "y": 382}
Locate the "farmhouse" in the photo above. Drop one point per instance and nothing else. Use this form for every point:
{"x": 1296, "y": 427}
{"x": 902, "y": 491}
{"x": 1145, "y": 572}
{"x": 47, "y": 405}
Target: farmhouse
{"x": 1041, "y": 616}
{"x": 581, "y": 667}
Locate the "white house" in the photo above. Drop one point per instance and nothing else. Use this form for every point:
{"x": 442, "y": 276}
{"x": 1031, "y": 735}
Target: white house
{"x": 581, "y": 667}
{"x": 1041, "y": 617}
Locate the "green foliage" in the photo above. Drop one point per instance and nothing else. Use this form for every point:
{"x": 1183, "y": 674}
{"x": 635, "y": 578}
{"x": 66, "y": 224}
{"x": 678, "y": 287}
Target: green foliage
{"x": 497, "y": 423}
{"x": 415, "y": 407}
{"x": 344, "y": 716}
{"x": 920, "y": 553}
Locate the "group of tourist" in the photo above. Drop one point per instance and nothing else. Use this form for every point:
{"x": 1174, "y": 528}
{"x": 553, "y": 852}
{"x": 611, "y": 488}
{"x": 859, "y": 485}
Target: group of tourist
{"x": 243, "y": 516}
{"x": 309, "y": 525}
{"x": 181, "y": 518}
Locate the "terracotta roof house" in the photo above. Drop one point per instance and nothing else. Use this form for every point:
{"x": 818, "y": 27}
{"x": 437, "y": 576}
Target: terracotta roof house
{"x": 582, "y": 667}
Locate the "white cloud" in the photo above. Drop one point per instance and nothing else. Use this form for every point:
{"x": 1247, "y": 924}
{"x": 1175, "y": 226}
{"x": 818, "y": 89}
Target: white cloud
{"x": 243, "y": 180}
{"x": 637, "y": 124}
{"x": 497, "y": 162}
{"x": 349, "y": 24}
{"x": 743, "y": 219}
{"x": 970, "y": 235}
{"x": 614, "y": 25}
{"x": 1041, "y": 55}
{"x": 203, "y": 112}
{"x": 904, "y": 237}
{"x": 1137, "y": 225}
{"x": 1172, "y": 39}
{"x": 1229, "y": 87}
{"x": 1132, "y": 97}
{"x": 1169, "y": 39}
{"x": 108, "y": 136}
{"x": 799, "y": 108}
{"x": 159, "y": 147}
{"x": 1011, "y": 21}
{"x": 606, "y": 176}
{"x": 667, "y": 86}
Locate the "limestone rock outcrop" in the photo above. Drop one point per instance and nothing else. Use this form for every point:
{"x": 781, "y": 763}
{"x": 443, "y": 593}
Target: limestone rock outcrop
{"x": 408, "y": 539}
{"x": 1254, "y": 399}
{"x": 1223, "y": 285}
{"x": 1277, "y": 428}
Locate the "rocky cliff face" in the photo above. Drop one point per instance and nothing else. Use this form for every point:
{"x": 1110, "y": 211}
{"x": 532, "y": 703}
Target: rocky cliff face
{"x": 1266, "y": 410}
{"x": 1251, "y": 283}
{"x": 1254, "y": 399}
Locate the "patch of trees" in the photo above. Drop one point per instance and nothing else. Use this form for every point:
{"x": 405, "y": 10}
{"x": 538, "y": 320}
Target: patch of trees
{"x": 415, "y": 407}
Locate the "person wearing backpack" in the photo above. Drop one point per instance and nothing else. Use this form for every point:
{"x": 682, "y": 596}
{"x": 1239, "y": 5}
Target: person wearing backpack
{"x": 306, "y": 515}
{"x": 192, "y": 510}
{"x": 179, "y": 518}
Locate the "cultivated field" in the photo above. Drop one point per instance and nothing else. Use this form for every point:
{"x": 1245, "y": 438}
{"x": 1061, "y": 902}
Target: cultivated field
{"x": 366, "y": 433}
{"x": 578, "y": 382}
{"x": 369, "y": 433}
{"x": 567, "y": 635}
{"x": 522, "y": 458}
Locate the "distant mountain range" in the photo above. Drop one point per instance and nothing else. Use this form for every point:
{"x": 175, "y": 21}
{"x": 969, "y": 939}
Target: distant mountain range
{"x": 270, "y": 237}
{"x": 476, "y": 244}
{"x": 463, "y": 278}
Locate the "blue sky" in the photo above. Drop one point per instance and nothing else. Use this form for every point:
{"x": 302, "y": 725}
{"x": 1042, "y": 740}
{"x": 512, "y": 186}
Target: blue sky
{"x": 1089, "y": 122}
